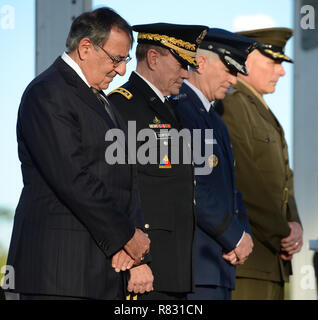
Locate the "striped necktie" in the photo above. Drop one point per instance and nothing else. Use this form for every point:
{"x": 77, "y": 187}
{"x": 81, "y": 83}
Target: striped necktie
{"x": 103, "y": 99}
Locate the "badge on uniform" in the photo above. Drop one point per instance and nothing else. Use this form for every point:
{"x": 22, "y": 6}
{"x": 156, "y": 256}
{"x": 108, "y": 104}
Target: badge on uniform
{"x": 213, "y": 161}
{"x": 165, "y": 163}
{"x": 158, "y": 125}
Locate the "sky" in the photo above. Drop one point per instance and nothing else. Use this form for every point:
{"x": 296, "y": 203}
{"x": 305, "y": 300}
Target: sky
{"x": 17, "y": 62}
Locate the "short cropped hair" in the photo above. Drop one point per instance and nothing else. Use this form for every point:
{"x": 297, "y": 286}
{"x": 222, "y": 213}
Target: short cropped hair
{"x": 207, "y": 53}
{"x": 211, "y": 56}
{"x": 143, "y": 48}
{"x": 96, "y": 25}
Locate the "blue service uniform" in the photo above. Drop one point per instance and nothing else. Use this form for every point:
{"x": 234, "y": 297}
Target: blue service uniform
{"x": 221, "y": 218}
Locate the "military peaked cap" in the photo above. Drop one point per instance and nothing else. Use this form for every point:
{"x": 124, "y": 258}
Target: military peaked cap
{"x": 272, "y": 41}
{"x": 182, "y": 40}
{"x": 232, "y": 48}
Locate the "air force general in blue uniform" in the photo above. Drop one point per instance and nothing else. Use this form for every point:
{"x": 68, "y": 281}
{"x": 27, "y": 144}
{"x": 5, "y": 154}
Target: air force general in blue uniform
{"x": 220, "y": 214}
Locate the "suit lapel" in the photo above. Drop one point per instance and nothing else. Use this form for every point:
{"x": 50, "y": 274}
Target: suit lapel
{"x": 206, "y": 117}
{"x": 153, "y": 100}
{"x": 90, "y": 100}
{"x": 212, "y": 123}
{"x": 266, "y": 114}
{"x": 82, "y": 90}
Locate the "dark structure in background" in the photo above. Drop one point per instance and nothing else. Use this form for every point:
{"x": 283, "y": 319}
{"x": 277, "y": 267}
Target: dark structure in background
{"x": 305, "y": 142}
{"x": 315, "y": 262}
{"x": 309, "y": 37}
{"x": 2, "y": 296}
{"x": 53, "y": 20}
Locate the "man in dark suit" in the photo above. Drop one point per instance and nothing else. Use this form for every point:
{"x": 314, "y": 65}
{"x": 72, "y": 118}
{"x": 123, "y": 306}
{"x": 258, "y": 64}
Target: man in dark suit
{"x": 78, "y": 217}
{"x": 222, "y": 230}
{"x": 163, "y": 54}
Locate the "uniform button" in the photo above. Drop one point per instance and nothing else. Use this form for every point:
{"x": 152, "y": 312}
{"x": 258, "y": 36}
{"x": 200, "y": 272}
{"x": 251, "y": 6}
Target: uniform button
{"x": 194, "y": 202}
{"x": 102, "y": 244}
{"x": 267, "y": 139}
{"x": 147, "y": 226}
{"x": 236, "y": 211}
{"x": 195, "y": 182}
{"x": 192, "y": 163}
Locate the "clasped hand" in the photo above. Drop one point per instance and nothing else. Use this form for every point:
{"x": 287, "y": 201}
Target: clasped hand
{"x": 293, "y": 243}
{"x": 140, "y": 277}
{"x": 132, "y": 252}
{"x": 240, "y": 254}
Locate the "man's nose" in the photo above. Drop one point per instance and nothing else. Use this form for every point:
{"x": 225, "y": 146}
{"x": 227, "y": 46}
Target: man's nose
{"x": 121, "y": 68}
{"x": 281, "y": 70}
{"x": 184, "y": 73}
{"x": 233, "y": 79}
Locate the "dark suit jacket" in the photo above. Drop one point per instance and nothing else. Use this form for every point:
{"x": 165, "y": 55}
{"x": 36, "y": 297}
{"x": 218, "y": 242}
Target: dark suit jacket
{"x": 166, "y": 194}
{"x": 75, "y": 210}
{"x": 220, "y": 213}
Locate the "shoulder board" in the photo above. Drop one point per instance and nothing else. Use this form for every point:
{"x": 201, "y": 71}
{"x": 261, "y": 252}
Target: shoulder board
{"x": 123, "y": 92}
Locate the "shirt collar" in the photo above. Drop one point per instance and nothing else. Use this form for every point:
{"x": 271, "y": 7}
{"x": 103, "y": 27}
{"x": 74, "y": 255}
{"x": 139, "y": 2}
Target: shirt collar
{"x": 202, "y": 97}
{"x": 68, "y": 60}
{"x": 259, "y": 96}
{"x": 155, "y": 89}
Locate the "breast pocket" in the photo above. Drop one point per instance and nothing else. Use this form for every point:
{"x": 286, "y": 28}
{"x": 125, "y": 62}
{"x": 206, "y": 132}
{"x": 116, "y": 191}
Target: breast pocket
{"x": 265, "y": 149}
{"x": 263, "y": 135}
{"x": 156, "y": 159}
{"x": 160, "y": 219}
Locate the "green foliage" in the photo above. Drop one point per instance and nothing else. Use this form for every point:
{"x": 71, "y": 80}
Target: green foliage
{"x": 3, "y": 261}
{"x": 287, "y": 291}
{"x": 3, "y": 256}
{"x": 6, "y": 213}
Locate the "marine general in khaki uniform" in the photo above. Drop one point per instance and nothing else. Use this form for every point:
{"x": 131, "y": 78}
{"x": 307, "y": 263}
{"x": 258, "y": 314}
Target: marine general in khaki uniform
{"x": 262, "y": 169}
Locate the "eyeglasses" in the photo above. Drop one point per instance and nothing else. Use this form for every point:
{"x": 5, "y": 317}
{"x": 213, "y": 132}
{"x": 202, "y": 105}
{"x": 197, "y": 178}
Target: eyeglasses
{"x": 116, "y": 61}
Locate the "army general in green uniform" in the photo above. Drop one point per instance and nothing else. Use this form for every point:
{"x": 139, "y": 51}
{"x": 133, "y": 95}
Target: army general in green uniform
{"x": 164, "y": 53}
{"x": 262, "y": 169}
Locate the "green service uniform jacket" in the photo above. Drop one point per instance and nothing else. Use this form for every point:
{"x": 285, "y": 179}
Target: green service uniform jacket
{"x": 264, "y": 178}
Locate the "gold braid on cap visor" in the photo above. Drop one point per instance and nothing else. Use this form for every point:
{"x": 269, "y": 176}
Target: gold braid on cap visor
{"x": 174, "y": 44}
{"x": 277, "y": 54}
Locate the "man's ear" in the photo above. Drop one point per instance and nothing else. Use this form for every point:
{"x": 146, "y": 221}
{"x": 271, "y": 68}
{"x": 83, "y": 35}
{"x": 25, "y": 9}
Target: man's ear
{"x": 202, "y": 61}
{"x": 85, "y": 48}
{"x": 152, "y": 59}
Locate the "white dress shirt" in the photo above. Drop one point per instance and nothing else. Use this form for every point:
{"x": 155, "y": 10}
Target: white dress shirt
{"x": 67, "y": 59}
{"x": 202, "y": 97}
{"x": 155, "y": 89}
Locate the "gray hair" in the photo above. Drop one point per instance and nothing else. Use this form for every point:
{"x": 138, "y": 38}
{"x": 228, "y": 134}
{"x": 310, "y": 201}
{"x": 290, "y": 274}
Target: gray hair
{"x": 207, "y": 53}
{"x": 143, "y": 48}
{"x": 96, "y": 26}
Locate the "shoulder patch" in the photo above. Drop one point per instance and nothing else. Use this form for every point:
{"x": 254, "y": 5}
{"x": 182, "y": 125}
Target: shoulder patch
{"x": 128, "y": 95}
